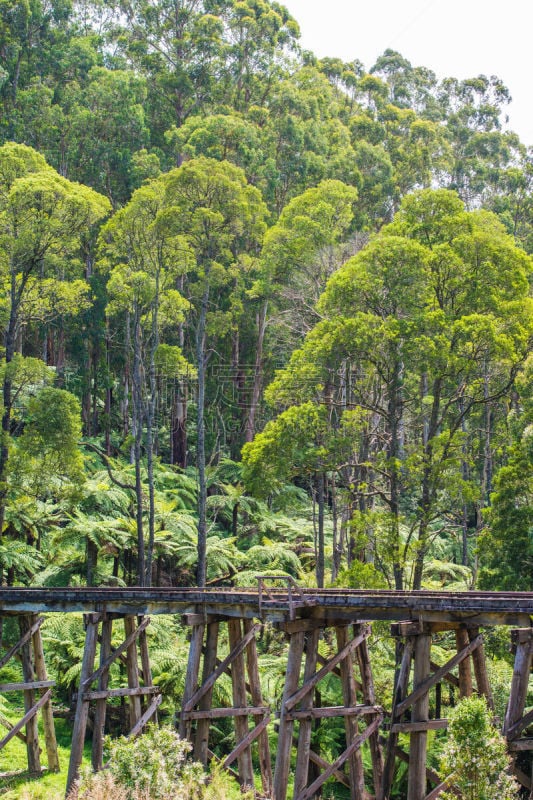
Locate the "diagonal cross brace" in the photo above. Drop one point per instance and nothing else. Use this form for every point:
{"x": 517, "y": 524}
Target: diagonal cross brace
{"x": 246, "y": 742}
{"x": 355, "y": 745}
{"x": 437, "y": 676}
{"x": 237, "y": 650}
{"x": 21, "y": 642}
{"x": 327, "y": 668}
{"x": 26, "y": 718}
{"x": 115, "y": 654}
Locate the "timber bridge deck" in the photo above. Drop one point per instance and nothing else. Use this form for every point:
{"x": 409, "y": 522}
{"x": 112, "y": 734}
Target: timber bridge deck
{"x": 303, "y": 615}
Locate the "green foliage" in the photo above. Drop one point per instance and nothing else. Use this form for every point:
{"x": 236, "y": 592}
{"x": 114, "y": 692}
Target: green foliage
{"x": 475, "y": 755}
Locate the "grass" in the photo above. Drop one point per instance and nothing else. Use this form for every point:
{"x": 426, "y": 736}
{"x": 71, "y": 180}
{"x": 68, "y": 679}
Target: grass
{"x": 49, "y": 786}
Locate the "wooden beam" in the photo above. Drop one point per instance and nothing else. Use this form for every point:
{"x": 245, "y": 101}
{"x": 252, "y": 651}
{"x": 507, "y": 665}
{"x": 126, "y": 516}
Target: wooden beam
{"x": 369, "y": 698}
{"x": 349, "y": 694}
{"x": 201, "y": 739}
{"x": 47, "y": 714}
{"x": 191, "y": 677}
{"x": 301, "y": 771}
{"x": 416, "y": 781}
{"x": 402, "y": 682}
{"x": 323, "y": 764}
{"x": 223, "y": 713}
{"x": 465, "y": 671}
{"x": 82, "y": 706}
{"x": 238, "y": 680}
{"x": 516, "y": 729}
{"x": 244, "y": 745}
{"x": 283, "y": 756}
{"x": 416, "y": 727}
{"x": 132, "y": 632}
{"x": 189, "y": 705}
{"x": 437, "y": 676}
{"x": 327, "y": 668}
{"x": 308, "y": 793}
{"x": 32, "y": 731}
{"x": 333, "y": 711}
{"x": 97, "y": 754}
{"x": 30, "y": 714}
{"x": 104, "y": 694}
{"x": 148, "y": 714}
{"x": 254, "y": 688}
{"x": 520, "y": 745}
{"x": 449, "y": 678}
{"x": 519, "y": 685}
{"x": 21, "y": 642}
{"x": 9, "y": 725}
{"x": 25, "y": 686}
{"x": 115, "y": 654}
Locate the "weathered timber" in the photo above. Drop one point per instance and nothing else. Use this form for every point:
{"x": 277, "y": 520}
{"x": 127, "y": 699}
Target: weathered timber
{"x": 355, "y": 745}
{"x": 416, "y": 783}
{"x": 349, "y": 693}
{"x": 417, "y": 727}
{"x": 245, "y": 766}
{"x": 146, "y": 717}
{"x": 424, "y": 687}
{"x": 480, "y": 669}
{"x": 465, "y": 670}
{"x": 82, "y": 707}
{"x": 283, "y": 756}
{"x": 25, "y": 686}
{"x": 254, "y": 687}
{"x": 519, "y": 683}
{"x": 105, "y": 694}
{"x": 516, "y": 729}
{"x": 101, "y": 705}
{"x": 21, "y": 642}
{"x": 132, "y": 632}
{"x": 301, "y": 774}
{"x": 402, "y": 682}
{"x": 369, "y": 697}
{"x": 29, "y": 715}
{"x": 245, "y": 743}
{"x": 9, "y": 725}
{"x": 47, "y": 715}
{"x": 191, "y": 678}
{"x": 201, "y": 741}
{"x": 224, "y": 713}
{"x": 32, "y": 732}
{"x": 326, "y": 712}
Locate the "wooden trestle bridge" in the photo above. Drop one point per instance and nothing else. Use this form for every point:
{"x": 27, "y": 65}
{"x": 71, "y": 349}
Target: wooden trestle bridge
{"x": 303, "y": 616}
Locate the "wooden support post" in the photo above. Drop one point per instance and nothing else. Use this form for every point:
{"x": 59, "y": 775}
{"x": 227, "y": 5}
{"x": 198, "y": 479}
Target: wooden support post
{"x": 355, "y": 761}
{"x": 265, "y": 764}
{"x": 292, "y": 675}
{"x": 32, "y": 732}
{"x": 132, "y": 668}
{"x": 400, "y": 691}
{"x": 480, "y": 669}
{"x": 465, "y": 671}
{"x": 47, "y": 712}
{"x": 369, "y": 697}
{"x": 82, "y": 707}
{"x": 201, "y": 743}
{"x": 416, "y": 788}
{"x": 191, "y": 678}
{"x": 238, "y": 679}
{"x": 101, "y": 703}
{"x": 145, "y": 661}
{"x": 301, "y": 776}
{"x": 520, "y": 681}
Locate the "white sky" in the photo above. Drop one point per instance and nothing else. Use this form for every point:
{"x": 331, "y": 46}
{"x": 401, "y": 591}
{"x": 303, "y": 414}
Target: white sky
{"x": 459, "y": 38}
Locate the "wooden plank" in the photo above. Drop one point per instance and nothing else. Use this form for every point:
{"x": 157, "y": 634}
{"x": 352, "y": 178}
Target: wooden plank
{"x": 244, "y": 745}
{"x": 9, "y": 725}
{"x": 145, "y": 660}
{"x": 416, "y": 727}
{"x": 301, "y": 772}
{"x": 520, "y": 745}
{"x": 416, "y": 781}
{"x": 223, "y": 713}
{"x": 32, "y": 732}
{"x": 333, "y": 711}
{"x": 327, "y": 668}
{"x": 25, "y": 685}
{"x": 311, "y": 790}
{"x": 30, "y": 714}
{"x": 82, "y": 706}
{"x": 445, "y": 786}
{"x": 115, "y": 654}
{"x": 402, "y": 682}
{"x": 519, "y": 686}
{"x": 104, "y": 694}
{"x": 191, "y": 677}
{"x": 465, "y": 671}
{"x": 369, "y": 697}
{"x": 437, "y": 676}
{"x": 480, "y": 669}
{"x": 283, "y": 756}
{"x": 431, "y": 775}
{"x": 449, "y": 678}
{"x": 516, "y": 729}
{"x": 97, "y": 755}
{"x": 148, "y": 714}
{"x": 201, "y": 741}
{"x": 254, "y": 687}
{"x": 323, "y": 764}
{"x": 132, "y": 668}
{"x": 349, "y": 694}
{"x": 238, "y": 680}
{"x": 189, "y": 705}
{"x": 47, "y": 714}
{"x": 524, "y": 779}
{"x": 21, "y": 642}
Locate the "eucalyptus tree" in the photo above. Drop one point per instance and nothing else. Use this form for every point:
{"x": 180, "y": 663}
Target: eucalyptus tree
{"x": 45, "y": 222}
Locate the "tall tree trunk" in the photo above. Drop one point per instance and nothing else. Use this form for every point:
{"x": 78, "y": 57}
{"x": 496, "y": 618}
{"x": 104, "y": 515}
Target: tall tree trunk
{"x": 258, "y": 374}
{"x": 320, "y": 564}
{"x": 138, "y": 435}
{"x": 150, "y": 421}
{"x": 201, "y": 571}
